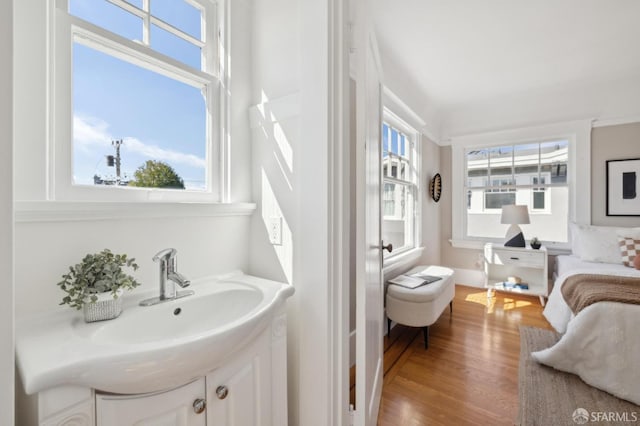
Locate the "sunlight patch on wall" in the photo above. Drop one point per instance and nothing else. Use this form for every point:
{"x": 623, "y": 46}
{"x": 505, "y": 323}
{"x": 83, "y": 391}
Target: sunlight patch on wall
{"x": 271, "y": 209}
{"x": 284, "y": 145}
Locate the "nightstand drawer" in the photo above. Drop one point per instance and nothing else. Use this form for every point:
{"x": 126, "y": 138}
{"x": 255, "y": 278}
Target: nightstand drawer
{"x": 517, "y": 258}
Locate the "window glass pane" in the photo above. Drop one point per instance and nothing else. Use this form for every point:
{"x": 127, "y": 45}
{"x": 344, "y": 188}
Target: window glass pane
{"x": 551, "y": 225}
{"x": 477, "y": 167}
{"x": 394, "y": 141}
{"x": 554, "y": 157}
{"x": 179, "y": 14}
{"x": 538, "y": 200}
{"x": 398, "y": 216}
{"x": 402, "y": 145}
{"x": 495, "y": 200}
{"x": 501, "y": 161}
{"x": 175, "y": 47}
{"x": 526, "y": 158}
{"x": 388, "y": 199}
{"x": 403, "y": 173}
{"x": 108, "y": 16}
{"x": 157, "y": 118}
{"x": 385, "y": 140}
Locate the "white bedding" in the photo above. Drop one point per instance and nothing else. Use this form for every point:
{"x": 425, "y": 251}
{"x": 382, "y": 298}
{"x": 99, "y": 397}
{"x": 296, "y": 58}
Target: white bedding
{"x": 602, "y": 343}
{"x": 556, "y": 311}
{"x": 566, "y": 264}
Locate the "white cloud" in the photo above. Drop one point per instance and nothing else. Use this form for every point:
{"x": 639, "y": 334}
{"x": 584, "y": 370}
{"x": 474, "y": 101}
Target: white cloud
{"x": 89, "y": 132}
{"x": 157, "y": 153}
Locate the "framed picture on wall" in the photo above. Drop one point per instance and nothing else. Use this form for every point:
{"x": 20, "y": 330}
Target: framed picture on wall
{"x": 623, "y": 187}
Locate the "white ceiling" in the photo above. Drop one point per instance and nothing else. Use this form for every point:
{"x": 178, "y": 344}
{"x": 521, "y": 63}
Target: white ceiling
{"x": 459, "y": 52}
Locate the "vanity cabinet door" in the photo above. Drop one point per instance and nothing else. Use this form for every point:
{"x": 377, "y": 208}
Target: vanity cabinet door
{"x": 239, "y": 393}
{"x": 177, "y": 407}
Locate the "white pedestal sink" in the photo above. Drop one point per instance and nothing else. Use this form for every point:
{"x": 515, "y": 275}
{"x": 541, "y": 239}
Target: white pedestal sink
{"x": 151, "y": 348}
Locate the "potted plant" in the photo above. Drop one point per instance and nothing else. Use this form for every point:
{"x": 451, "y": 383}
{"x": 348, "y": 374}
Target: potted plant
{"x": 535, "y": 243}
{"x": 96, "y": 284}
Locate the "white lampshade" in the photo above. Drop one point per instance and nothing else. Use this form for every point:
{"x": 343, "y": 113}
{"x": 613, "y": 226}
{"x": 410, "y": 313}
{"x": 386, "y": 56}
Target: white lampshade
{"x": 514, "y": 215}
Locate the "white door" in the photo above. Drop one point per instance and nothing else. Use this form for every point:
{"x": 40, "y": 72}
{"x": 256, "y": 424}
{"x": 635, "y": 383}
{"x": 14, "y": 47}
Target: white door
{"x": 369, "y": 292}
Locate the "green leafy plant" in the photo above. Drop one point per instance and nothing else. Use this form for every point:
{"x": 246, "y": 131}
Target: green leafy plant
{"x": 156, "y": 174}
{"x": 535, "y": 243}
{"x": 95, "y": 274}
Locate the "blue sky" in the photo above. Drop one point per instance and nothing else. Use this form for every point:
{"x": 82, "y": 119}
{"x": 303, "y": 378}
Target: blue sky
{"x": 158, "y": 118}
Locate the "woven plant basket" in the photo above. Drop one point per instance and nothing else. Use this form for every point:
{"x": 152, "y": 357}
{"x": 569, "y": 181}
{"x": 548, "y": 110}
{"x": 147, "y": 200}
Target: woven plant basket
{"x": 105, "y": 308}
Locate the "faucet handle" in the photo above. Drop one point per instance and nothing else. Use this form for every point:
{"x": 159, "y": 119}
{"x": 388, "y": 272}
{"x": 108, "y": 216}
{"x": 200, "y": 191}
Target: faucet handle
{"x": 166, "y": 255}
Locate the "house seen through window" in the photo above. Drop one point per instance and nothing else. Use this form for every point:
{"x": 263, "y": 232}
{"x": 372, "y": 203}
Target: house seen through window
{"x": 143, "y": 83}
{"x": 531, "y": 174}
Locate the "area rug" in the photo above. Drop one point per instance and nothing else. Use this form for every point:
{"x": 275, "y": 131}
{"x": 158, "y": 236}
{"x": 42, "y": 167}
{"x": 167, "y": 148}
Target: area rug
{"x": 551, "y": 397}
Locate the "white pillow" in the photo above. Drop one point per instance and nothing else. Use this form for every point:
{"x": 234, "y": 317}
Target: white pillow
{"x": 599, "y": 243}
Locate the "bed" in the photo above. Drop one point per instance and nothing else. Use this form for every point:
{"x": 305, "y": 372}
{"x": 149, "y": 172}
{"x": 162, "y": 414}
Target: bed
{"x": 601, "y": 341}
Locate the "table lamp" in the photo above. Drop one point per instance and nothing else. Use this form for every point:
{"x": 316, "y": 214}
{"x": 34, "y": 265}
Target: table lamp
{"x": 514, "y": 215}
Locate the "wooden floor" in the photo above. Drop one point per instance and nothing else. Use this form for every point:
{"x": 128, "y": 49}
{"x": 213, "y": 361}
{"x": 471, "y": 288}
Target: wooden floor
{"x": 469, "y": 374}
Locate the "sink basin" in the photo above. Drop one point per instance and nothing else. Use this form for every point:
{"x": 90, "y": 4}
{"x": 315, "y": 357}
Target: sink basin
{"x": 180, "y": 319}
{"x": 149, "y": 348}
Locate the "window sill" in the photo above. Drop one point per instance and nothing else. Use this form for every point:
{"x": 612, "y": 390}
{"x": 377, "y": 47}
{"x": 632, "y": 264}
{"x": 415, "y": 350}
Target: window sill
{"x": 65, "y": 211}
{"x": 397, "y": 263}
{"x": 469, "y": 244}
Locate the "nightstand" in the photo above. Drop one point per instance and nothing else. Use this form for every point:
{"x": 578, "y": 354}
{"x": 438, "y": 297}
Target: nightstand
{"x": 529, "y": 265}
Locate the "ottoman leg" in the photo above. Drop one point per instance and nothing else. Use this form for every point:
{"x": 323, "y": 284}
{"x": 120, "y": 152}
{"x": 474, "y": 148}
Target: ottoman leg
{"x": 425, "y": 332}
{"x": 388, "y": 327}
{"x": 451, "y": 308}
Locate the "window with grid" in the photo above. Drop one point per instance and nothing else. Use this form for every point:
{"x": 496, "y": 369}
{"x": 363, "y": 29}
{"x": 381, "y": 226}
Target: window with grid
{"x": 137, "y": 93}
{"x": 399, "y": 175}
{"x": 532, "y": 174}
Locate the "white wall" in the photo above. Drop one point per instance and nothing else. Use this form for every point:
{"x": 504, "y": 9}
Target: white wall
{"x": 44, "y": 250}
{"x": 397, "y": 81}
{"x": 6, "y": 218}
{"x": 611, "y": 143}
{"x": 431, "y": 210}
{"x": 275, "y": 122}
{"x": 291, "y": 180}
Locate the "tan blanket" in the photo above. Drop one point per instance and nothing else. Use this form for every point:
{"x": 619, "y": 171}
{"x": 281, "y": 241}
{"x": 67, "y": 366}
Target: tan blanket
{"x": 582, "y": 290}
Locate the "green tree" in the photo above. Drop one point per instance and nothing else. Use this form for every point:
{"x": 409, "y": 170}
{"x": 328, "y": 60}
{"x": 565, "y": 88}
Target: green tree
{"x": 156, "y": 174}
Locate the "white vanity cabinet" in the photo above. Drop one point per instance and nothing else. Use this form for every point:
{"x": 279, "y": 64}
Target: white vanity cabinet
{"x": 184, "y": 406}
{"x": 240, "y": 393}
{"x": 247, "y": 390}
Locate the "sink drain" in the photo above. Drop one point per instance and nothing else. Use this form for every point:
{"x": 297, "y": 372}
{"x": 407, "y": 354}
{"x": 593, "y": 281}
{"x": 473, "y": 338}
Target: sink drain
{"x": 177, "y": 311}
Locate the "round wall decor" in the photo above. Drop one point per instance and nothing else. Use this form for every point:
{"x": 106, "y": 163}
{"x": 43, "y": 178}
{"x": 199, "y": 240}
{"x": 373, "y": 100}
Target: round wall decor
{"x": 435, "y": 187}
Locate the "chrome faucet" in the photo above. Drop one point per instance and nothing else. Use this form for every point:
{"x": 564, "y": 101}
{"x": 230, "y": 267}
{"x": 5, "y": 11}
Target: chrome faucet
{"x": 169, "y": 277}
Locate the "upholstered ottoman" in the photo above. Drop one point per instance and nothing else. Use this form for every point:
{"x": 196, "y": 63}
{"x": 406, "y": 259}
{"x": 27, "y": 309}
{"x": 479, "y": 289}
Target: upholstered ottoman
{"x": 421, "y": 306}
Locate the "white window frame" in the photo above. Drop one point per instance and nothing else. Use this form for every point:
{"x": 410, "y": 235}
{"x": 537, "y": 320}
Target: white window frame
{"x": 578, "y": 133}
{"x": 212, "y": 80}
{"x": 413, "y": 144}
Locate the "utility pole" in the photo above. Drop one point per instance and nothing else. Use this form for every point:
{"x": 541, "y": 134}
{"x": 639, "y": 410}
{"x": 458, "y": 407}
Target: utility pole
{"x": 117, "y": 144}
